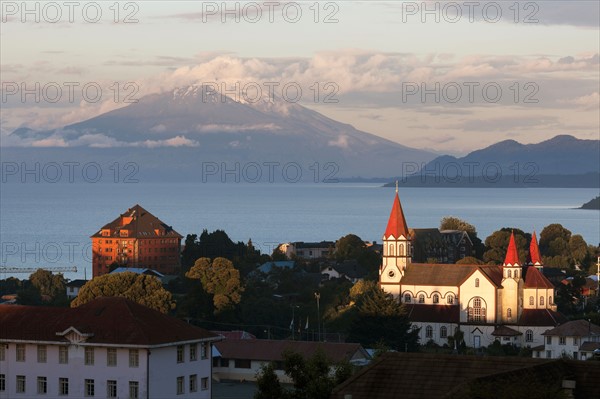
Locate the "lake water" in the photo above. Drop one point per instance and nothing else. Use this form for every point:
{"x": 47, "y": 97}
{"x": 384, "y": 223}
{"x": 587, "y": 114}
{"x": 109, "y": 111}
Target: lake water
{"x": 50, "y": 224}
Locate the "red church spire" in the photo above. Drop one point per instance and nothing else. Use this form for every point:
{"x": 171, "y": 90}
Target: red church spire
{"x": 534, "y": 251}
{"x": 396, "y": 224}
{"x": 512, "y": 255}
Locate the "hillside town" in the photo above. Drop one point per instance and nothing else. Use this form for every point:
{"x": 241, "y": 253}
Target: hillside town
{"x": 210, "y": 318}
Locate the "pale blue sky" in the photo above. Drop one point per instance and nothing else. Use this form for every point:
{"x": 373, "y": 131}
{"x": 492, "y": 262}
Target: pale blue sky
{"x": 370, "y": 52}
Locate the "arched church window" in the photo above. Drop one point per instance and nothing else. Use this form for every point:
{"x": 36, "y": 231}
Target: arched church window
{"x": 550, "y": 300}
{"x": 443, "y": 332}
{"x": 450, "y": 299}
{"x": 476, "y": 282}
{"x": 542, "y": 301}
{"x": 421, "y": 298}
{"x": 476, "y": 313}
{"x": 508, "y": 274}
{"x": 401, "y": 250}
{"x": 391, "y": 251}
{"x": 407, "y": 298}
{"x": 436, "y": 298}
{"x": 529, "y": 336}
{"x": 509, "y": 313}
{"x": 429, "y": 332}
{"x": 516, "y": 274}
{"x": 531, "y": 301}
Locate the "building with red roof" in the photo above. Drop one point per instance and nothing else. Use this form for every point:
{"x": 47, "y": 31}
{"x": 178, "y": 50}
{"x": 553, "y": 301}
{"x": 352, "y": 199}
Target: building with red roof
{"x": 512, "y": 302}
{"x": 109, "y": 347}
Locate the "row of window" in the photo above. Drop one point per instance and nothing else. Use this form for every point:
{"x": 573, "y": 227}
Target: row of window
{"x": 193, "y": 352}
{"x": 444, "y": 334}
{"x": 141, "y": 242}
{"x": 63, "y": 355}
{"x": 63, "y": 386}
{"x": 435, "y": 297}
{"x": 192, "y": 384}
{"x": 532, "y": 300}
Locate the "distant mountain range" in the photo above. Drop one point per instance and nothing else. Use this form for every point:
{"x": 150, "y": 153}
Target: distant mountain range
{"x": 176, "y": 133}
{"x": 190, "y": 134}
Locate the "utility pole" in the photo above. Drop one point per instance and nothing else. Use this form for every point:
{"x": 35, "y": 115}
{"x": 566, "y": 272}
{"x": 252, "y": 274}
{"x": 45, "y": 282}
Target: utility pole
{"x": 318, "y": 297}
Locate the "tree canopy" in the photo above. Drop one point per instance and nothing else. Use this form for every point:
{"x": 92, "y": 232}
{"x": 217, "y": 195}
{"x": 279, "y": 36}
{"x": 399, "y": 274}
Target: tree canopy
{"x": 53, "y": 285}
{"x": 219, "y": 278}
{"x": 143, "y": 289}
{"x": 497, "y": 244}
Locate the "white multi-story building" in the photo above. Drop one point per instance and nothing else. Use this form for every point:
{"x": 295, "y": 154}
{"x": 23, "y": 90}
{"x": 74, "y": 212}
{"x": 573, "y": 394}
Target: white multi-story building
{"x": 577, "y": 339}
{"x": 108, "y": 348}
{"x": 512, "y": 303}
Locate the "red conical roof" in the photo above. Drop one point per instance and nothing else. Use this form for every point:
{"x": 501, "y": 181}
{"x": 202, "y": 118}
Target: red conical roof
{"x": 512, "y": 255}
{"x": 534, "y": 251}
{"x": 396, "y": 224}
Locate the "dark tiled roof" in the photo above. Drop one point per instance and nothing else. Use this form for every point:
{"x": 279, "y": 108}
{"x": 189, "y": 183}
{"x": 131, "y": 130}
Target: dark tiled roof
{"x": 433, "y": 313}
{"x": 111, "y": 320}
{"x": 575, "y": 328}
{"x": 322, "y": 244}
{"x": 142, "y": 225}
{"x": 445, "y": 275}
{"x": 416, "y": 375}
{"x": 541, "y": 317}
{"x": 589, "y": 346}
{"x": 271, "y": 350}
{"x": 504, "y": 331}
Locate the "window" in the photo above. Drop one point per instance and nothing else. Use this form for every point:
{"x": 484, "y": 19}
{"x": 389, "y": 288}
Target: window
{"x": 401, "y": 250}
{"x": 193, "y": 352}
{"x": 443, "y": 332}
{"x": 42, "y": 385}
{"x": 179, "y": 353}
{"x": 509, "y": 313}
{"x": 421, "y": 298}
{"x": 562, "y": 340}
{"x": 476, "y": 282}
{"x": 508, "y": 274}
{"x": 20, "y": 384}
{"x": 476, "y": 313}
{"x": 111, "y": 389}
{"x": 134, "y": 358}
{"x": 428, "y": 332}
{"x": 549, "y": 354}
{"x": 548, "y": 340}
{"x": 89, "y": 387}
{"x": 134, "y": 390}
{"x": 89, "y": 356}
{"x": 242, "y": 363}
{"x": 204, "y": 383}
{"x": 193, "y": 383}
{"x": 550, "y": 300}
{"x": 391, "y": 250}
{"x": 203, "y": 350}
{"x": 2, "y": 382}
{"x": 111, "y": 357}
{"x": 63, "y": 386}
{"x": 541, "y": 301}
{"x": 2, "y": 352}
{"x": 407, "y": 298}
{"x": 436, "y": 298}
{"x": 530, "y": 301}
{"x": 450, "y": 299}
{"x": 20, "y": 353}
{"x": 575, "y": 341}
{"x": 179, "y": 385}
{"x": 63, "y": 354}
{"x": 529, "y": 336}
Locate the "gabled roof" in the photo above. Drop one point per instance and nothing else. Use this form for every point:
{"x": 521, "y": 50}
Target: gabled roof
{"x": 504, "y": 331}
{"x": 534, "y": 251}
{"x": 575, "y": 328}
{"x": 433, "y": 313}
{"x": 110, "y": 320}
{"x": 76, "y": 283}
{"x": 541, "y": 317}
{"x": 272, "y": 350}
{"x": 512, "y": 255}
{"x": 535, "y": 279}
{"x": 139, "y": 223}
{"x": 448, "y": 275}
{"x": 396, "y": 226}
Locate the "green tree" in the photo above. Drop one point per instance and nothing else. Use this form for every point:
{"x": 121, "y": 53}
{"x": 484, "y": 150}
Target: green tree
{"x": 312, "y": 378}
{"x": 454, "y": 223}
{"x": 52, "y": 285}
{"x": 143, "y": 289}
{"x": 497, "y": 244}
{"x": 360, "y": 288}
{"x": 219, "y": 278}
{"x": 469, "y": 260}
{"x": 382, "y": 320}
{"x": 352, "y": 247}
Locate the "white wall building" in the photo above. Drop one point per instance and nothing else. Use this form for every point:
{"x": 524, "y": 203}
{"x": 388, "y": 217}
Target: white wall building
{"x": 513, "y": 303}
{"x": 577, "y": 339}
{"x": 108, "y": 348}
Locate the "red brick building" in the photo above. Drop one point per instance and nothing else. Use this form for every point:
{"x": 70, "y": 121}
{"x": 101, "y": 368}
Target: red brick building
{"x": 136, "y": 238}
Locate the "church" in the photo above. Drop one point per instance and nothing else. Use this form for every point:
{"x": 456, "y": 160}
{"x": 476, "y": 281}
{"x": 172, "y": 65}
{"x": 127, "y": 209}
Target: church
{"x": 512, "y": 303}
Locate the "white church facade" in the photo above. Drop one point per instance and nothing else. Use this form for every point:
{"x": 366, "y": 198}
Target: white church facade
{"x": 512, "y": 303}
